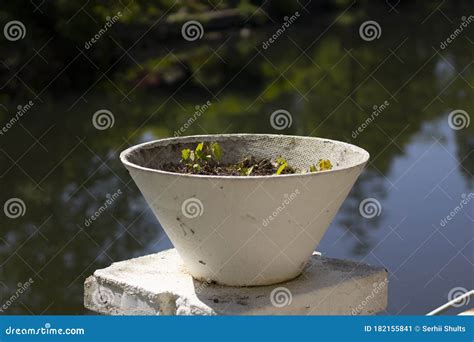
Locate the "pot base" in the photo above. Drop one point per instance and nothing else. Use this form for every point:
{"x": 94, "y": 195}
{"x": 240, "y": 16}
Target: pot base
{"x": 266, "y": 282}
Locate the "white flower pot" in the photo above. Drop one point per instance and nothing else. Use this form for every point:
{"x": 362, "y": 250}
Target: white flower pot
{"x": 246, "y": 231}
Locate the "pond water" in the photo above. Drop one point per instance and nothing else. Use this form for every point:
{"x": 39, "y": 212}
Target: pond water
{"x": 63, "y": 168}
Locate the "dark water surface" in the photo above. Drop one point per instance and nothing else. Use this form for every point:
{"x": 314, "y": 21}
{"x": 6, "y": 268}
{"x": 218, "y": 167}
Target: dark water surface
{"x": 63, "y": 168}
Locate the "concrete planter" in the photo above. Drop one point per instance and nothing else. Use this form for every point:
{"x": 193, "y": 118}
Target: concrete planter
{"x": 246, "y": 231}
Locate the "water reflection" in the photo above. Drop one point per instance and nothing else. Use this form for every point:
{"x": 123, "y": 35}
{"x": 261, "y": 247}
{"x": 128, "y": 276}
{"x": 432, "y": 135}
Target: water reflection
{"x": 63, "y": 168}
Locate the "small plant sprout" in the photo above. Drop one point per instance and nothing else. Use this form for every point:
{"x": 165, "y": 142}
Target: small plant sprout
{"x": 185, "y": 154}
{"x": 216, "y": 151}
{"x": 206, "y": 156}
{"x": 283, "y": 167}
{"x": 323, "y": 165}
{"x": 245, "y": 171}
{"x": 282, "y": 164}
{"x": 198, "y": 152}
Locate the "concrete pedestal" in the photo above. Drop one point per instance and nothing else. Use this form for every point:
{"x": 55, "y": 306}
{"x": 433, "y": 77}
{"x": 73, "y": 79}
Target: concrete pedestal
{"x": 158, "y": 284}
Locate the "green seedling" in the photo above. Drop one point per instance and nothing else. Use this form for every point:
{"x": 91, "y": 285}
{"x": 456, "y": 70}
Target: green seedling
{"x": 205, "y": 158}
{"x": 205, "y": 155}
{"x": 323, "y": 165}
{"x": 245, "y": 171}
{"x": 284, "y": 167}
{"x": 198, "y": 152}
{"x": 216, "y": 151}
{"x": 185, "y": 154}
{"x": 282, "y": 164}
{"x": 280, "y": 169}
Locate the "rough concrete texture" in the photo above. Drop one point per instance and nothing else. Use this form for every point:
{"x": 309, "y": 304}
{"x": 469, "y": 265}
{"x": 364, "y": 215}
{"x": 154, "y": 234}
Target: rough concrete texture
{"x": 158, "y": 284}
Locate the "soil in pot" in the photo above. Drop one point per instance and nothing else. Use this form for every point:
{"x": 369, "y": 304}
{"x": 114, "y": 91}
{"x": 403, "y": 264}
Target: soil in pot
{"x": 205, "y": 159}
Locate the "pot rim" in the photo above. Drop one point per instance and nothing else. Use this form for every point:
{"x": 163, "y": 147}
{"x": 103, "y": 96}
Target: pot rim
{"x": 125, "y": 153}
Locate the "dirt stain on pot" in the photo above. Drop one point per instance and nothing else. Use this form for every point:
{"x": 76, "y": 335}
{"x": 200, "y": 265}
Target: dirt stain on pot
{"x": 249, "y": 218}
{"x": 184, "y": 226}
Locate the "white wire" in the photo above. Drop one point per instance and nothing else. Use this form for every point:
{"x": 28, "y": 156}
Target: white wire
{"x": 451, "y": 303}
